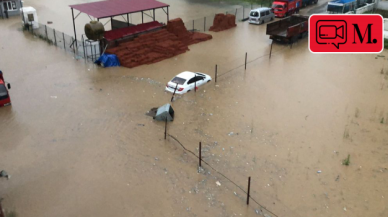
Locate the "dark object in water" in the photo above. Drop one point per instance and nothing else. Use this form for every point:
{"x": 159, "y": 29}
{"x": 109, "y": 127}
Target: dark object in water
{"x": 165, "y": 113}
{"x": 4, "y": 174}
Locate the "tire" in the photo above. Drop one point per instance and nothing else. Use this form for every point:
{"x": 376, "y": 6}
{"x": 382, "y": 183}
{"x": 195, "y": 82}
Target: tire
{"x": 262, "y": 22}
{"x": 208, "y": 81}
{"x": 271, "y": 18}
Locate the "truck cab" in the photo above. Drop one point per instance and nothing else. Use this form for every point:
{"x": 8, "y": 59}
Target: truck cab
{"x": 284, "y": 8}
{"x": 5, "y": 100}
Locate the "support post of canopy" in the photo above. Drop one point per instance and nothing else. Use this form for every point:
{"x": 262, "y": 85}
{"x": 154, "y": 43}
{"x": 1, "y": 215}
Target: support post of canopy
{"x": 75, "y": 33}
{"x": 168, "y": 17}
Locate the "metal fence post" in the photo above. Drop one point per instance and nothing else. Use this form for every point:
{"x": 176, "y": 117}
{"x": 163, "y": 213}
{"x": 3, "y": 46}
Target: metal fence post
{"x": 72, "y": 41}
{"x": 204, "y": 24}
{"x": 249, "y": 188}
{"x": 45, "y": 29}
{"x": 176, "y": 87}
{"x": 165, "y": 129}
{"x": 216, "y": 74}
{"x": 195, "y": 83}
{"x": 193, "y": 25}
{"x": 270, "y": 52}
{"x": 246, "y": 55}
{"x": 200, "y": 154}
{"x": 243, "y": 13}
{"x": 83, "y": 46}
{"x": 64, "y": 42}
{"x": 55, "y": 37}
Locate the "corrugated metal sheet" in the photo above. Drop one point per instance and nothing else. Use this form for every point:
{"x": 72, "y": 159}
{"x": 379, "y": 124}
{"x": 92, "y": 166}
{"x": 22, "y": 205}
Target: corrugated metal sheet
{"x": 111, "y": 8}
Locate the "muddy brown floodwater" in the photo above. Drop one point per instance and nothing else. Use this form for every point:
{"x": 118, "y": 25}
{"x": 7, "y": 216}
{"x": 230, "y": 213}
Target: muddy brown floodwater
{"x": 77, "y": 142}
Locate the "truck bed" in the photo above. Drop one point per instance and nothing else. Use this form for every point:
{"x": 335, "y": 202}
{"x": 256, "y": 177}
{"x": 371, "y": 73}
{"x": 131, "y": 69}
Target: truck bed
{"x": 279, "y": 28}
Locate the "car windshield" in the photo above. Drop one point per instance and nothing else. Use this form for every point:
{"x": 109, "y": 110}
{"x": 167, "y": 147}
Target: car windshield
{"x": 3, "y": 91}
{"x": 277, "y": 6}
{"x": 178, "y": 80}
{"x": 254, "y": 14}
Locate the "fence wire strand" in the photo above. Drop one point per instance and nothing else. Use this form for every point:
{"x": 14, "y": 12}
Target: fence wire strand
{"x": 257, "y": 58}
{"x": 191, "y": 152}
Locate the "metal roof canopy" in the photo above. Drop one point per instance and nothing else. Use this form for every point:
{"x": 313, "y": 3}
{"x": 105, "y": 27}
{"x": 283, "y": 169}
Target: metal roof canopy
{"x": 112, "y": 8}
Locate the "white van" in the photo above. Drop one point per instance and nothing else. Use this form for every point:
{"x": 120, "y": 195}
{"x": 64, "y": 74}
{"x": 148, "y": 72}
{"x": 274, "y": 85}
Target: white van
{"x": 261, "y": 15}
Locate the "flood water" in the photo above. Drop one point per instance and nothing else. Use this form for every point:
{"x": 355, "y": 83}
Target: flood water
{"x": 76, "y": 140}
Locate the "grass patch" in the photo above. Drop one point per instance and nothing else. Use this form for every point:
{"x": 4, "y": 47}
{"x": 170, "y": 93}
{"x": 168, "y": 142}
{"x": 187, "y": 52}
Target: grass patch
{"x": 346, "y": 161}
{"x": 382, "y": 121}
{"x": 385, "y": 43}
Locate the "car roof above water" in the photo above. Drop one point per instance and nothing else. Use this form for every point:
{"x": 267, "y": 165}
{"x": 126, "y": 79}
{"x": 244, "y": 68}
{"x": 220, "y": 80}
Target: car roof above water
{"x": 188, "y": 75}
{"x": 261, "y": 9}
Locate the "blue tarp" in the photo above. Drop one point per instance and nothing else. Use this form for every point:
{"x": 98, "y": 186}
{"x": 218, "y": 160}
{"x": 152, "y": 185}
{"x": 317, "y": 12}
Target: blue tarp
{"x": 108, "y": 60}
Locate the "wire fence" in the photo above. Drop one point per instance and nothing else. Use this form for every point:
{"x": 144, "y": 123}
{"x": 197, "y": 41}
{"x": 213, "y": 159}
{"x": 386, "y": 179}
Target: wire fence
{"x": 87, "y": 49}
{"x": 247, "y": 62}
{"x": 262, "y": 209}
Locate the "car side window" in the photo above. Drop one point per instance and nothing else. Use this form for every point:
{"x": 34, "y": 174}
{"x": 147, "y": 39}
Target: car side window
{"x": 200, "y": 78}
{"x": 267, "y": 13}
{"x": 262, "y": 14}
{"x": 192, "y": 80}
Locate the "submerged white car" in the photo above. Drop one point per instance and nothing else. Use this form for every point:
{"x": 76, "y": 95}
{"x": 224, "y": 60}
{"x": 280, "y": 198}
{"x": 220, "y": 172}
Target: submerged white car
{"x": 187, "y": 81}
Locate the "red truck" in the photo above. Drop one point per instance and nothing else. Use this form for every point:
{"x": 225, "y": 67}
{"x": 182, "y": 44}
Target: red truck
{"x": 284, "y": 8}
{"x": 4, "y": 96}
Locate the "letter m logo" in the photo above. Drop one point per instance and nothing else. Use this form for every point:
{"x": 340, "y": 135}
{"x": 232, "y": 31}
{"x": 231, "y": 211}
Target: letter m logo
{"x": 360, "y": 36}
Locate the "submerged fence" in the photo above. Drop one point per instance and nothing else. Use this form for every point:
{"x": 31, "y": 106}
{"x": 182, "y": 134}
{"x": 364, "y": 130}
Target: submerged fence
{"x": 262, "y": 210}
{"x": 89, "y": 50}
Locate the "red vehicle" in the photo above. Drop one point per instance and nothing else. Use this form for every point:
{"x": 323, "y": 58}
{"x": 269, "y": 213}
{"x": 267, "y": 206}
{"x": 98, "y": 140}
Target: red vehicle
{"x": 284, "y": 8}
{"x": 4, "y": 96}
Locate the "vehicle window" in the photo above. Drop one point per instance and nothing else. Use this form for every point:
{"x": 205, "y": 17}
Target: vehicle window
{"x": 178, "y": 80}
{"x": 195, "y": 79}
{"x": 254, "y": 14}
{"x": 3, "y": 91}
{"x": 200, "y": 78}
{"x": 262, "y": 14}
{"x": 191, "y": 81}
{"x": 276, "y": 6}
{"x": 267, "y": 13}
